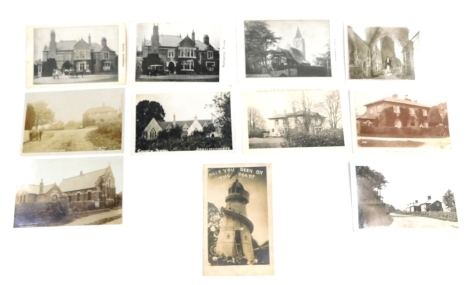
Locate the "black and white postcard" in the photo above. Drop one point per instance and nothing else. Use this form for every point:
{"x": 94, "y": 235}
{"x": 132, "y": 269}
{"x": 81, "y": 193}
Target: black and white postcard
{"x": 402, "y": 193}
{"x": 288, "y": 119}
{"x": 389, "y": 120}
{"x": 382, "y": 52}
{"x": 183, "y": 121}
{"x": 287, "y": 48}
{"x": 73, "y": 121}
{"x": 181, "y": 52}
{"x": 69, "y": 192}
{"x": 75, "y": 55}
{"x": 238, "y": 220}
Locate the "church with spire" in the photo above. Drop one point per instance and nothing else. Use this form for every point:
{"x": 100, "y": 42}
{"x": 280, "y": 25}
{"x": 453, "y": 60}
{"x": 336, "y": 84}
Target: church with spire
{"x": 82, "y": 56}
{"x": 292, "y": 55}
{"x": 178, "y": 54}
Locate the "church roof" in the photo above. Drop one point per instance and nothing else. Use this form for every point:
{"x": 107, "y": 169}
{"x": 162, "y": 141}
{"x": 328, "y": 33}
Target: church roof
{"x": 96, "y": 47}
{"x": 292, "y": 54}
{"x": 82, "y": 181}
{"x": 298, "y": 35}
{"x": 34, "y": 189}
{"x": 102, "y": 109}
{"x": 81, "y": 44}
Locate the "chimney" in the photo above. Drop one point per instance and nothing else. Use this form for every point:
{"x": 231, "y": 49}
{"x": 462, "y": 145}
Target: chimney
{"x": 174, "y": 120}
{"x": 416, "y": 201}
{"x": 89, "y": 39}
{"x": 41, "y": 187}
{"x": 195, "y": 118}
{"x": 406, "y": 98}
{"x": 103, "y": 41}
{"x": 429, "y": 197}
{"x": 193, "y": 37}
{"x": 81, "y": 172}
{"x": 394, "y": 96}
{"x": 206, "y": 39}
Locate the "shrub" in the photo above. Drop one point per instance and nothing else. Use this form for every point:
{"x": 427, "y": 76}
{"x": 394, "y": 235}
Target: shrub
{"x": 331, "y": 137}
{"x": 40, "y": 213}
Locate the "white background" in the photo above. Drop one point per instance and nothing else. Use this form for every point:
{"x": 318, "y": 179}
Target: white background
{"x": 160, "y": 240}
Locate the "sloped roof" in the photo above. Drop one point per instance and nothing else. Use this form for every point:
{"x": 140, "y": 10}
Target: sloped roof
{"x": 66, "y": 45}
{"x": 298, "y": 34}
{"x": 96, "y": 47}
{"x": 400, "y": 101}
{"x": 187, "y": 42}
{"x": 106, "y": 48}
{"x": 179, "y": 123}
{"x": 292, "y": 54}
{"x": 296, "y": 114}
{"x": 82, "y": 181}
{"x": 34, "y": 189}
{"x": 102, "y": 109}
{"x": 81, "y": 44}
{"x": 367, "y": 117}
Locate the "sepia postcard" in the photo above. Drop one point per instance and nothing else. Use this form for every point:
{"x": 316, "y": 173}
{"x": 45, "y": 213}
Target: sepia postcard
{"x": 391, "y": 121}
{"x": 287, "y": 48}
{"x": 382, "y": 52}
{"x": 73, "y": 121}
{"x": 238, "y": 220}
{"x": 183, "y": 121}
{"x": 75, "y": 55}
{"x": 292, "y": 119}
{"x": 395, "y": 193}
{"x": 178, "y": 52}
{"x": 69, "y": 192}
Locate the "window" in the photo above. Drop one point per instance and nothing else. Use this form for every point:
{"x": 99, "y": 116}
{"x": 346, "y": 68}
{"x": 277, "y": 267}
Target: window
{"x": 153, "y": 134}
{"x": 82, "y": 54}
{"x": 187, "y": 65}
{"x": 106, "y": 55}
{"x": 88, "y": 196}
{"x": 78, "y": 196}
{"x": 70, "y": 199}
{"x": 396, "y": 109}
{"x": 81, "y": 66}
{"x": 107, "y": 66}
{"x": 276, "y": 122}
{"x": 272, "y": 130}
{"x": 210, "y": 66}
{"x": 210, "y": 54}
{"x": 412, "y": 111}
{"x": 425, "y": 112}
{"x": 187, "y": 52}
{"x": 171, "y": 53}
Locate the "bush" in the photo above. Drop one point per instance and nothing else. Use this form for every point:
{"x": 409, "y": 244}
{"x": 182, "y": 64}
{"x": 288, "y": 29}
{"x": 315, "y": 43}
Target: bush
{"x": 405, "y": 132}
{"x": 329, "y": 137}
{"x": 40, "y": 213}
{"x": 446, "y": 216}
{"x": 108, "y": 135}
{"x": 255, "y": 133}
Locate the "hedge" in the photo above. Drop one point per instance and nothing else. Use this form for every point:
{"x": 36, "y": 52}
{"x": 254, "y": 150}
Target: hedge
{"x": 405, "y": 132}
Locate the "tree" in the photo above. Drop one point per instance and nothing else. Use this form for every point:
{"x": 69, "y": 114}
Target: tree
{"x": 44, "y": 115}
{"x": 434, "y": 117}
{"x": 404, "y": 116}
{"x": 332, "y": 107}
{"x": 30, "y": 117}
{"x": 324, "y": 59}
{"x": 223, "y": 120}
{"x": 258, "y": 39}
{"x": 145, "y": 111}
{"x": 449, "y": 200}
{"x": 305, "y": 106}
{"x": 377, "y": 179}
{"x": 421, "y": 117}
{"x": 255, "y": 119}
{"x": 387, "y": 117}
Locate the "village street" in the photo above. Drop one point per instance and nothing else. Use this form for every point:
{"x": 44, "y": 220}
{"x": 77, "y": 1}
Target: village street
{"x": 408, "y": 221}
{"x": 97, "y": 217}
{"x": 61, "y": 140}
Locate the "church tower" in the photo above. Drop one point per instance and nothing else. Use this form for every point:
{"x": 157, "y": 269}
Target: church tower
{"x": 52, "y": 46}
{"x": 235, "y": 228}
{"x": 299, "y": 43}
{"x": 155, "y": 40}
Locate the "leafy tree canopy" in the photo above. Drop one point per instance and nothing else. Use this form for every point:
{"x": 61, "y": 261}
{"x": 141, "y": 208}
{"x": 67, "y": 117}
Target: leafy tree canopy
{"x": 145, "y": 111}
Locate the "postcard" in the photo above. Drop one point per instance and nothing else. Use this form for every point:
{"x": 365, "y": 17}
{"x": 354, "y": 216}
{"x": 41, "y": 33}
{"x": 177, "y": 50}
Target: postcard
{"x": 70, "y": 191}
{"x": 238, "y": 220}
{"x": 75, "y": 55}
{"x": 73, "y": 121}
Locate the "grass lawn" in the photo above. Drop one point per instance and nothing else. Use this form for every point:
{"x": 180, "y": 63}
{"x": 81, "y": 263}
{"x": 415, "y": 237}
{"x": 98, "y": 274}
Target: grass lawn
{"x": 380, "y": 143}
{"x": 265, "y": 142}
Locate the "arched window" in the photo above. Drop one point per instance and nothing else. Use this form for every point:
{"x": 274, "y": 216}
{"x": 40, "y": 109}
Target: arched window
{"x": 88, "y": 196}
{"x": 153, "y": 134}
{"x": 78, "y": 196}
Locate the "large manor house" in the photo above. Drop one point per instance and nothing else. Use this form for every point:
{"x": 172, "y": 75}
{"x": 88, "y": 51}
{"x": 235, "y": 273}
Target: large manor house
{"x": 82, "y": 56}
{"x": 95, "y": 189}
{"x": 177, "y": 54}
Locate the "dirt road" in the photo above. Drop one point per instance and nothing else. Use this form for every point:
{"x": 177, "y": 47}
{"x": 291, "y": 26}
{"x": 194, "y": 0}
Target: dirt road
{"x": 63, "y": 140}
{"x": 100, "y": 216}
{"x": 408, "y": 221}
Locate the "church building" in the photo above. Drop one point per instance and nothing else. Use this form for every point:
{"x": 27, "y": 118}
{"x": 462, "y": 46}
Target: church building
{"x": 189, "y": 127}
{"x": 82, "y": 56}
{"x": 290, "y": 56}
{"x": 181, "y": 55}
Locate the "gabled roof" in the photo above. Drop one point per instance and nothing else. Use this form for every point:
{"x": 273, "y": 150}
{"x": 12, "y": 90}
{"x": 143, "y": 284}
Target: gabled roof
{"x": 399, "y": 101}
{"x": 295, "y": 114}
{"x": 298, "y": 35}
{"x": 96, "y": 47}
{"x": 66, "y": 45}
{"x": 82, "y": 181}
{"x": 102, "y": 109}
{"x": 34, "y": 189}
{"x": 81, "y": 44}
{"x": 178, "y": 123}
{"x": 187, "y": 42}
{"x": 292, "y": 54}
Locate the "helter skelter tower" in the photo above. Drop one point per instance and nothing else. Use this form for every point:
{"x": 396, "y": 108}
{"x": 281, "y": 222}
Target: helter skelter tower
{"x": 235, "y": 229}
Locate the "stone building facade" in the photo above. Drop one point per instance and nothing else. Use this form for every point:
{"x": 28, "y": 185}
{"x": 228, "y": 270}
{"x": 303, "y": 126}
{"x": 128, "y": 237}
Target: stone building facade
{"x": 279, "y": 124}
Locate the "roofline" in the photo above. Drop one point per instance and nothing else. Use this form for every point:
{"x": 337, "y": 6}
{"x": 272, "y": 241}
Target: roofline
{"x": 405, "y": 102}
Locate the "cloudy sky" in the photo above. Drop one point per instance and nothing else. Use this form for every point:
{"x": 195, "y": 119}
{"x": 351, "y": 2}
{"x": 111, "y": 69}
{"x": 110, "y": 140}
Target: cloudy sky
{"x": 42, "y": 36}
{"x": 70, "y": 105}
{"x": 364, "y": 97}
{"x": 200, "y": 29}
{"x": 185, "y": 106}
{"x": 315, "y": 33}
{"x": 412, "y": 181}
{"x": 257, "y": 208}
{"x": 55, "y": 170}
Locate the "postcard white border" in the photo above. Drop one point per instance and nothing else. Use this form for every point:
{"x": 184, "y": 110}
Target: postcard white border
{"x": 121, "y": 53}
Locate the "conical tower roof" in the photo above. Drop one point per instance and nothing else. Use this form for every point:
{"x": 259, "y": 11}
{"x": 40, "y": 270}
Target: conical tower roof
{"x": 298, "y": 34}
